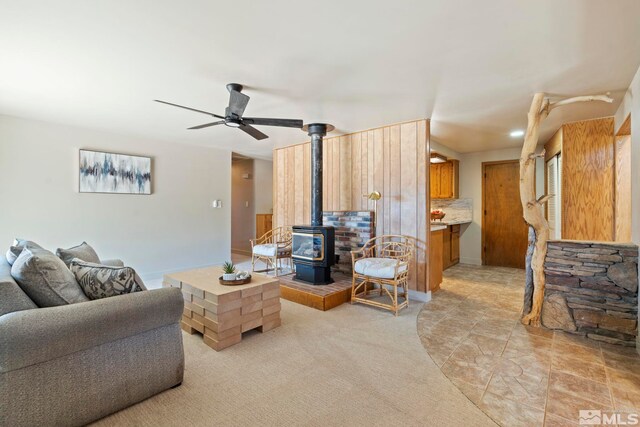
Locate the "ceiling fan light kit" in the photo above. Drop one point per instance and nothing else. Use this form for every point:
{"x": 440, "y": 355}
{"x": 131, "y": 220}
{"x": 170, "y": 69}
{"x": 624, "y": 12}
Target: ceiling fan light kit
{"x": 233, "y": 115}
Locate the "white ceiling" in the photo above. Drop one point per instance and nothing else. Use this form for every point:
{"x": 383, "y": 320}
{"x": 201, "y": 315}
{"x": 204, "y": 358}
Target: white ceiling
{"x": 472, "y": 66}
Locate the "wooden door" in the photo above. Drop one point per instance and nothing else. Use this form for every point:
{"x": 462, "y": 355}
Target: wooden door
{"x": 504, "y": 232}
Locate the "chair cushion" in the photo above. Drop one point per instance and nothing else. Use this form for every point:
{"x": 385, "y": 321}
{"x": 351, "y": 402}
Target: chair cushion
{"x": 83, "y": 252}
{"x": 383, "y": 268}
{"x": 102, "y": 281}
{"x": 45, "y": 279}
{"x": 18, "y": 245}
{"x": 269, "y": 249}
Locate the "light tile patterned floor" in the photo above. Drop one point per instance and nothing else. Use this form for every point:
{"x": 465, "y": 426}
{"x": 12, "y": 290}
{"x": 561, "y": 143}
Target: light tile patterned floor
{"x": 520, "y": 375}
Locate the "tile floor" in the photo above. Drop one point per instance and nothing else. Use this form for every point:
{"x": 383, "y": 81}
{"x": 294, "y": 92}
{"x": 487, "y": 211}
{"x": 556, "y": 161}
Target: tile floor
{"x": 520, "y": 375}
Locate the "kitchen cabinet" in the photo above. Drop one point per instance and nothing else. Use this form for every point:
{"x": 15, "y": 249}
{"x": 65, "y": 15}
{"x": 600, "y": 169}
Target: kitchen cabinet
{"x": 444, "y": 179}
{"x": 451, "y": 246}
{"x": 264, "y": 223}
{"x": 435, "y": 260}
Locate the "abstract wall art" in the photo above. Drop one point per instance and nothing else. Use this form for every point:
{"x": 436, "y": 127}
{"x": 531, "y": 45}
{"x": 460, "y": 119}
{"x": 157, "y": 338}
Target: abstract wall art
{"x": 102, "y": 172}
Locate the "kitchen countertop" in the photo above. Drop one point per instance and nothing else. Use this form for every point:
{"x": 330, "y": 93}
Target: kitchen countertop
{"x": 437, "y": 227}
{"x": 455, "y": 222}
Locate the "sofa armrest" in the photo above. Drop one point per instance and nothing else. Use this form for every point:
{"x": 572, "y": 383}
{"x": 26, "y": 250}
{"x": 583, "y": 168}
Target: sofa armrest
{"x": 112, "y": 262}
{"x": 34, "y": 336}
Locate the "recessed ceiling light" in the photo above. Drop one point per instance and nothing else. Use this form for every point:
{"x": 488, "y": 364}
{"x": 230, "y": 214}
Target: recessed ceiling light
{"x": 516, "y": 133}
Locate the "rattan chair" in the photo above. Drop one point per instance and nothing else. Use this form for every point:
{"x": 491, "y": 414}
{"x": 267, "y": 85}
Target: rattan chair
{"x": 271, "y": 248}
{"x": 380, "y": 267}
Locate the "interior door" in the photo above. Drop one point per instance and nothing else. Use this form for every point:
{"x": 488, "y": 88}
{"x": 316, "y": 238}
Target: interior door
{"x": 504, "y": 232}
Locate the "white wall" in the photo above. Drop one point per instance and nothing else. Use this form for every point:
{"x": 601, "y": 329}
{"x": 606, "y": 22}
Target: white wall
{"x": 631, "y": 105}
{"x": 243, "y": 218}
{"x": 471, "y": 187}
{"x": 263, "y": 186}
{"x": 172, "y": 229}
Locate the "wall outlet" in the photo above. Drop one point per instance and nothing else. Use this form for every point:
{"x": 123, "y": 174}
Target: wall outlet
{"x": 217, "y": 204}
{"x": 246, "y": 204}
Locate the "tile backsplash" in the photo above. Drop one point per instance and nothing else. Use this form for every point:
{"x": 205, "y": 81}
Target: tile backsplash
{"x": 456, "y": 210}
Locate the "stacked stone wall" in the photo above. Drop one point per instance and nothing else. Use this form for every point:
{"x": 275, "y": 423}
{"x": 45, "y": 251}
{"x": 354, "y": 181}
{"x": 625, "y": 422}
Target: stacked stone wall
{"x": 591, "y": 289}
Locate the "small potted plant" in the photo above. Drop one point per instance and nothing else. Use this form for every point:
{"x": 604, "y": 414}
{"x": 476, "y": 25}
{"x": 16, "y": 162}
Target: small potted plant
{"x": 229, "y": 271}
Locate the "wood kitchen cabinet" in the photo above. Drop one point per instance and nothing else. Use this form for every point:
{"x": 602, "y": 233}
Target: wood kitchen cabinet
{"x": 444, "y": 180}
{"x": 435, "y": 260}
{"x": 264, "y": 223}
{"x": 451, "y": 246}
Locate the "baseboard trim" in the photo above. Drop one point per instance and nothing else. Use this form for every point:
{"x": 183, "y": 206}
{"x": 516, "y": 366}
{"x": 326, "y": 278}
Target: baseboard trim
{"x": 419, "y": 296}
{"x": 240, "y": 252}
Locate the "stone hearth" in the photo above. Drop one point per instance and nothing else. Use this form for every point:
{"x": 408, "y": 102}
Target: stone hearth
{"x": 592, "y": 289}
{"x": 353, "y": 229}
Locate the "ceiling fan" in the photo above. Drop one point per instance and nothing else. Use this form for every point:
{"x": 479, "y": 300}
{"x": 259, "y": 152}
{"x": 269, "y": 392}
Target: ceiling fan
{"x": 233, "y": 115}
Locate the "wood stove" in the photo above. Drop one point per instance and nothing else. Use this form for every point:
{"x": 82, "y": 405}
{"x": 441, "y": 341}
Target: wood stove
{"x": 313, "y": 253}
{"x": 313, "y": 246}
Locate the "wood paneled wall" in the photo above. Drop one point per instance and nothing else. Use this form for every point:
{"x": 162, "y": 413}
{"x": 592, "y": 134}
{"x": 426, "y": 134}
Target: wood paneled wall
{"x": 588, "y": 181}
{"x": 391, "y": 159}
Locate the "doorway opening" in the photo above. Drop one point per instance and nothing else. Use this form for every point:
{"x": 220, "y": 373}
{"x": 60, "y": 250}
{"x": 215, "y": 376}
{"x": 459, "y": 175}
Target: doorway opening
{"x": 251, "y": 202}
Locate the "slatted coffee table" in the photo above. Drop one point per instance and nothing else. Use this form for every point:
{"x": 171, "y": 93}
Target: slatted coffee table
{"x": 222, "y": 313}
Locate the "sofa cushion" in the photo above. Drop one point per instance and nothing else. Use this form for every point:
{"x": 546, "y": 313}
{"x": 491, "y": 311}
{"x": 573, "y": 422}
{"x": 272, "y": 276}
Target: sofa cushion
{"x": 383, "y": 268}
{"x": 45, "y": 279}
{"x": 18, "y": 245}
{"x": 12, "y": 298}
{"x": 83, "y": 252}
{"x": 102, "y": 281}
{"x": 269, "y": 249}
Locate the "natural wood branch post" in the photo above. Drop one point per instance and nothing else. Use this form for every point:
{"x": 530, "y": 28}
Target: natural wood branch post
{"x": 532, "y": 207}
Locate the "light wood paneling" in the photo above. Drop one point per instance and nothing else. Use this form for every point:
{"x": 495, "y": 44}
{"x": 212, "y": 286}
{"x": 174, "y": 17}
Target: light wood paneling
{"x": 588, "y": 170}
{"x": 391, "y": 160}
{"x": 623, "y": 188}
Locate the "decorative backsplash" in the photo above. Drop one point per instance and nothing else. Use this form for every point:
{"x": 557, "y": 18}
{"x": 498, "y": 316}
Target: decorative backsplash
{"x": 456, "y": 210}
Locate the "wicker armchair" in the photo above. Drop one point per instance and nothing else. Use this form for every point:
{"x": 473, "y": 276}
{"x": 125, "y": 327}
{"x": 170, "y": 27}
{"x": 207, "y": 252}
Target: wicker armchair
{"x": 271, "y": 248}
{"x": 383, "y": 261}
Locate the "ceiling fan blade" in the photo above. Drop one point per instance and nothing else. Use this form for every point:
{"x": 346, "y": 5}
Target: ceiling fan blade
{"x": 260, "y": 121}
{"x": 237, "y": 102}
{"x": 206, "y": 125}
{"x": 253, "y": 132}
{"x": 189, "y": 108}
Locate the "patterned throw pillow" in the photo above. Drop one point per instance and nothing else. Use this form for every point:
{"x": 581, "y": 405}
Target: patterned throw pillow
{"x": 101, "y": 281}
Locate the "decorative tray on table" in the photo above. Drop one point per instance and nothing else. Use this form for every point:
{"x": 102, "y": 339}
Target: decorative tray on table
{"x": 235, "y": 282}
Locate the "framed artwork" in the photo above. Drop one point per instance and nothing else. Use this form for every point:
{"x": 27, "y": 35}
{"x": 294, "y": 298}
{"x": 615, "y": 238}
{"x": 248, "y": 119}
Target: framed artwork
{"x": 102, "y": 172}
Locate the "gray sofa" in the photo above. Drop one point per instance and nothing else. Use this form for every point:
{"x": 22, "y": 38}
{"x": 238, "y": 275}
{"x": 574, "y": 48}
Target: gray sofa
{"x": 73, "y": 364}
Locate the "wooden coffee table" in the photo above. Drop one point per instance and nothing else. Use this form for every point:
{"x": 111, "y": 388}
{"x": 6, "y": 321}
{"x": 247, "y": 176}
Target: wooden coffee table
{"x": 222, "y": 313}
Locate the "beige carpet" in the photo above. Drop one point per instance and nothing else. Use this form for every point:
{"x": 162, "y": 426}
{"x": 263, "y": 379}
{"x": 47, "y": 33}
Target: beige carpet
{"x": 353, "y": 365}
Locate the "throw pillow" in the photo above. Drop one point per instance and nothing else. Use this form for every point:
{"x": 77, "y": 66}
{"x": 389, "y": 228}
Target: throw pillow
{"x": 45, "y": 279}
{"x": 83, "y": 252}
{"x": 102, "y": 281}
{"x": 18, "y": 245}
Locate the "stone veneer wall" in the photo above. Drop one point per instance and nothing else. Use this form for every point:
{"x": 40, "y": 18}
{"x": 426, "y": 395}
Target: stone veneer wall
{"x": 353, "y": 229}
{"x": 592, "y": 289}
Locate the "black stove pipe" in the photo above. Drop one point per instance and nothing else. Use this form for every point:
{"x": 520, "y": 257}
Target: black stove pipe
{"x": 316, "y": 131}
